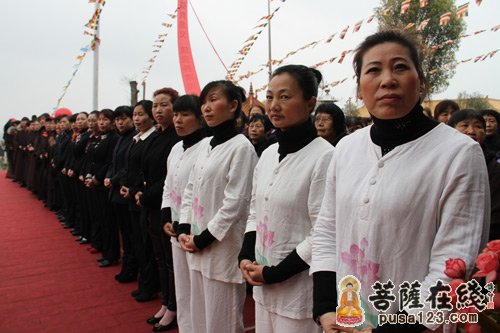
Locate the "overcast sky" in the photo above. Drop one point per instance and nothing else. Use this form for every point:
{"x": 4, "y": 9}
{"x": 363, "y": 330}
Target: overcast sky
{"x": 42, "y": 38}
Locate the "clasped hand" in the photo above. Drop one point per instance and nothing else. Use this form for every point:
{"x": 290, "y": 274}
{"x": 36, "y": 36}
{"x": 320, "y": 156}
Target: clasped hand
{"x": 329, "y": 324}
{"x": 252, "y": 272}
{"x": 187, "y": 243}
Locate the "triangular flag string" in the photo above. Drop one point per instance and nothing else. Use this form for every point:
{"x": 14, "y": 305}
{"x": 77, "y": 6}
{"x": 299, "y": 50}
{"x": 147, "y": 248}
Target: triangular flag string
{"x": 158, "y": 43}
{"x": 92, "y": 25}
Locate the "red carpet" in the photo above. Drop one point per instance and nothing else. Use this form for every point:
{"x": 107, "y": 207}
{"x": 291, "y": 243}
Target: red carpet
{"x": 50, "y": 283}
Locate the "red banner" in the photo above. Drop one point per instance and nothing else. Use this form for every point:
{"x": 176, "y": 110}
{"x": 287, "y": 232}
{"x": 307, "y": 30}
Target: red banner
{"x": 188, "y": 71}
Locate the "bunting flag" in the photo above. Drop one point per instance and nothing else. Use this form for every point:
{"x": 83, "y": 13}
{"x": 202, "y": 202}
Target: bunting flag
{"x": 445, "y": 18}
{"x": 357, "y": 26}
{"x": 158, "y": 43}
{"x": 423, "y": 3}
{"x": 343, "y": 32}
{"x": 245, "y": 49}
{"x": 463, "y": 10}
{"x": 405, "y": 6}
{"x": 370, "y": 19}
{"x": 478, "y": 2}
{"x": 329, "y": 39}
{"x": 92, "y": 24}
{"x": 409, "y": 26}
{"x": 423, "y": 24}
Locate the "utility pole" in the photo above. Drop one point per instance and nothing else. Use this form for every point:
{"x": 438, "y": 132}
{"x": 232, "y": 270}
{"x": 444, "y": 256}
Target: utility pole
{"x": 269, "y": 38}
{"x": 133, "y": 92}
{"x": 95, "y": 94}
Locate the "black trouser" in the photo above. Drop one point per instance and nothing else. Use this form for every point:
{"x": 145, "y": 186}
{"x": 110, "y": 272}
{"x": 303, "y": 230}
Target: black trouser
{"x": 146, "y": 264}
{"x": 109, "y": 227}
{"x": 98, "y": 206}
{"x": 84, "y": 195}
{"x": 121, "y": 215}
{"x": 162, "y": 250}
{"x": 62, "y": 190}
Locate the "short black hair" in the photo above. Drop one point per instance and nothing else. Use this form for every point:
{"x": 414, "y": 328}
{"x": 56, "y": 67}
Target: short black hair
{"x": 465, "y": 114}
{"x": 493, "y": 113}
{"x": 147, "y": 105}
{"x": 338, "y": 117}
{"x": 264, "y": 119}
{"x": 307, "y": 78}
{"x": 189, "y": 103}
{"x": 230, "y": 90}
{"x": 390, "y": 36}
{"x": 123, "y": 110}
{"x": 444, "y": 105}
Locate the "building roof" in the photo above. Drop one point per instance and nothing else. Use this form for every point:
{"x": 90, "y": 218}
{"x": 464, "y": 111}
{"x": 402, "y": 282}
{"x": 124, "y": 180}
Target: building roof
{"x": 251, "y": 100}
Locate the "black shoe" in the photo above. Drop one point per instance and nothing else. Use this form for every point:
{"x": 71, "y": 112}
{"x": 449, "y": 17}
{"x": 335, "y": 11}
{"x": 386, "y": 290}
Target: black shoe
{"x": 153, "y": 320}
{"x": 67, "y": 226}
{"x": 134, "y": 293}
{"x": 75, "y": 233}
{"x": 145, "y": 297}
{"x": 125, "y": 278}
{"x": 107, "y": 263}
{"x": 79, "y": 239}
{"x": 100, "y": 259}
{"x": 84, "y": 241}
{"x": 160, "y": 328}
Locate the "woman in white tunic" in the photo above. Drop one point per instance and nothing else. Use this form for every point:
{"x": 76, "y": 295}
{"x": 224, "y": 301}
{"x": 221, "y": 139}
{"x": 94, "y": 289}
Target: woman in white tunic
{"x": 187, "y": 123}
{"x": 287, "y": 190}
{"x": 215, "y": 204}
{"x": 385, "y": 215}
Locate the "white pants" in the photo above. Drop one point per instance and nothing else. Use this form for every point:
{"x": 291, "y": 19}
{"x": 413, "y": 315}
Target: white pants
{"x": 216, "y": 306}
{"x": 267, "y": 322}
{"x": 182, "y": 289}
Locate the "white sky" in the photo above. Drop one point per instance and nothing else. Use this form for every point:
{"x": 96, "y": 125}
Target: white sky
{"x": 41, "y": 39}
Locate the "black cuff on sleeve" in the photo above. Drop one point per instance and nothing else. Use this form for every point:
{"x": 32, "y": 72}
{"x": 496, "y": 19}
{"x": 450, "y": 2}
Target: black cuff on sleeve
{"x": 175, "y": 225}
{"x": 291, "y": 265}
{"x": 396, "y": 328}
{"x": 324, "y": 293}
{"x": 166, "y": 215}
{"x": 248, "y": 248}
{"x": 204, "y": 239}
{"x": 183, "y": 228}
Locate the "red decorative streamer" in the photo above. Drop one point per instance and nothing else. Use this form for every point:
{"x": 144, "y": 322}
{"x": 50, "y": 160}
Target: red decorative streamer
{"x": 188, "y": 70}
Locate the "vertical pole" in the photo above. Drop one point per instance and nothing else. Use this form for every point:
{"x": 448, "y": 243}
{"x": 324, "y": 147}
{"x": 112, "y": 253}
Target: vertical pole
{"x": 95, "y": 94}
{"x": 269, "y": 38}
{"x": 143, "y": 90}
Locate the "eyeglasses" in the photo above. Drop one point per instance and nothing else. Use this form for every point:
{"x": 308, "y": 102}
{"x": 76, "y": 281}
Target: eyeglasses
{"x": 323, "y": 119}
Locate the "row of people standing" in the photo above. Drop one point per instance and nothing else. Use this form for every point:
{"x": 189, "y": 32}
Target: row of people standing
{"x": 304, "y": 203}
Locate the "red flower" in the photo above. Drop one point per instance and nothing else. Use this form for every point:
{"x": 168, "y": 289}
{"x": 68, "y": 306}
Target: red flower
{"x": 487, "y": 263}
{"x": 472, "y": 328}
{"x": 455, "y": 268}
{"x": 496, "y": 300}
{"x": 494, "y": 246}
{"x": 454, "y": 285}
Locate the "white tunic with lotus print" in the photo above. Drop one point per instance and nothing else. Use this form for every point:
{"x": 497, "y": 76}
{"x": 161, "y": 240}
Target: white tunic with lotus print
{"x": 179, "y": 165}
{"x": 286, "y": 199}
{"x": 402, "y": 215}
{"x": 217, "y": 197}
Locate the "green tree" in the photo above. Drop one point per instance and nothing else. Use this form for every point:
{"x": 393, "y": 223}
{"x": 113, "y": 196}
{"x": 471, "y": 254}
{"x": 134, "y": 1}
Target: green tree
{"x": 474, "y": 101}
{"x": 431, "y": 36}
{"x": 351, "y": 109}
